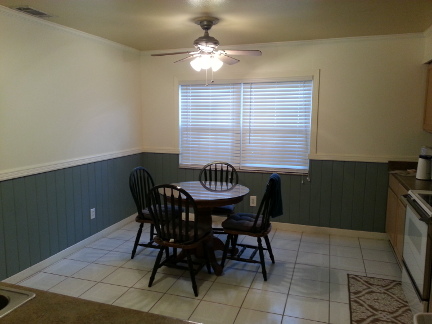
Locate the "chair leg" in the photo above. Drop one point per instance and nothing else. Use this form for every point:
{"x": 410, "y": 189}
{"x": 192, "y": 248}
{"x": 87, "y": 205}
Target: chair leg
{"x": 156, "y": 266}
{"x": 269, "y": 249}
{"x": 233, "y": 244}
{"x": 192, "y": 273}
{"x": 226, "y": 248}
{"x": 138, "y": 236}
{"x": 151, "y": 233}
{"x": 261, "y": 254}
{"x": 206, "y": 256}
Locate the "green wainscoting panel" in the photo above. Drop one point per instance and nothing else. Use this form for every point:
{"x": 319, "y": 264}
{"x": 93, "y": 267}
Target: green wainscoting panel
{"x": 337, "y": 194}
{"x": 43, "y": 214}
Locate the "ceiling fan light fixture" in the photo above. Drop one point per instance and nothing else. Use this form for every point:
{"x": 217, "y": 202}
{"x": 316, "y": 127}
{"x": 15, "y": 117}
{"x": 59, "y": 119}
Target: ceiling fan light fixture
{"x": 216, "y": 64}
{"x": 205, "y": 62}
{"x": 196, "y": 64}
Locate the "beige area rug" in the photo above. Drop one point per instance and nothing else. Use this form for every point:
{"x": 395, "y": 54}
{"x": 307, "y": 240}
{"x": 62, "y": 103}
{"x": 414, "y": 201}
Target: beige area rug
{"x": 376, "y": 300}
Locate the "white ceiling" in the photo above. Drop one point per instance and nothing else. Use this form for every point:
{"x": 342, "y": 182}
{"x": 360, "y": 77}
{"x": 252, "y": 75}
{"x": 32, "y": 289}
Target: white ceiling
{"x": 150, "y": 25}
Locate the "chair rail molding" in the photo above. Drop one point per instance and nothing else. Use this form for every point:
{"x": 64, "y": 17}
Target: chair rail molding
{"x": 35, "y": 169}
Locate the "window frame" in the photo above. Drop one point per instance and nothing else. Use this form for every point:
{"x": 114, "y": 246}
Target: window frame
{"x": 296, "y": 76}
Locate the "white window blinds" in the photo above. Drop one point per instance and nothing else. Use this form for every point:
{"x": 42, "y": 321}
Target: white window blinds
{"x": 254, "y": 126}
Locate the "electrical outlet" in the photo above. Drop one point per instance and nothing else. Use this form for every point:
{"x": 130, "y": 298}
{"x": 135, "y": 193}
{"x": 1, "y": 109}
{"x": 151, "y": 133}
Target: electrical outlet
{"x": 252, "y": 201}
{"x": 93, "y": 213}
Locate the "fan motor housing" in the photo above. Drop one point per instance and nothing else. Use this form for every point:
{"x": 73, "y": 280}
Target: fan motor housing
{"x": 206, "y": 41}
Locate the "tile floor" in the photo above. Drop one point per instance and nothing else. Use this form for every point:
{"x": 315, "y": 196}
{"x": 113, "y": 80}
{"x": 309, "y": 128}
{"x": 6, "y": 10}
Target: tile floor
{"x": 307, "y": 285}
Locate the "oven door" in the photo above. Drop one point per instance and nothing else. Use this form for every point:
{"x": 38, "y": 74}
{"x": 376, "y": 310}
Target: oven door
{"x": 416, "y": 249}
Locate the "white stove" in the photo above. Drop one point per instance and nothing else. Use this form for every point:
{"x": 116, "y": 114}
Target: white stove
{"x": 423, "y": 198}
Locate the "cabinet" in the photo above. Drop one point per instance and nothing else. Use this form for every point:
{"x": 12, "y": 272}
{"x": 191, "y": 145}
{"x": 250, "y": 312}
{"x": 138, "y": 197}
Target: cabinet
{"x": 427, "y": 118}
{"x": 395, "y": 217}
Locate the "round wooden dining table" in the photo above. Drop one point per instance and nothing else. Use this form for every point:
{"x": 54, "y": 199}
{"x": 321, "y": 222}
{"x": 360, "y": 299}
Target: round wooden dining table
{"x": 208, "y": 195}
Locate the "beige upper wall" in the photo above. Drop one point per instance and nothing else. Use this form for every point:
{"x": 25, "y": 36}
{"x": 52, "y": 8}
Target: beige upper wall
{"x": 65, "y": 96}
{"x": 68, "y": 97}
{"x": 371, "y": 94}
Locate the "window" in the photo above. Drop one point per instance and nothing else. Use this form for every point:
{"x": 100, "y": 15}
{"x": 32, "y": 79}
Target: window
{"x": 254, "y": 126}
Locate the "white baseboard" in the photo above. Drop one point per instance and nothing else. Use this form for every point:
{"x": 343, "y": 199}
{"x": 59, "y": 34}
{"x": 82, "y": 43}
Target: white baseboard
{"x": 278, "y": 226}
{"x": 20, "y": 276}
{"x": 328, "y": 230}
{"x": 317, "y": 229}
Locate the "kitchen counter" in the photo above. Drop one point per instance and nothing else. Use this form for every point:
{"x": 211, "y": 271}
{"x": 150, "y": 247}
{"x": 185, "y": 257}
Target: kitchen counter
{"x": 410, "y": 182}
{"x": 49, "y": 307}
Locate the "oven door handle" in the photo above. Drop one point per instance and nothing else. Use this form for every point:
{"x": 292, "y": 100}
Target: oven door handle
{"x": 420, "y": 214}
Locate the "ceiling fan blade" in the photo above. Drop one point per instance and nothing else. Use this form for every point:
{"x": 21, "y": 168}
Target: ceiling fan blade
{"x": 189, "y": 58}
{"x": 228, "y": 59}
{"x": 174, "y": 53}
{"x": 243, "y": 52}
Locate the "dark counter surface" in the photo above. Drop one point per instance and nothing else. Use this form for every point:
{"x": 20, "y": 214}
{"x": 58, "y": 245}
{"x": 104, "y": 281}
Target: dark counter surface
{"x": 49, "y": 307}
{"x": 410, "y": 182}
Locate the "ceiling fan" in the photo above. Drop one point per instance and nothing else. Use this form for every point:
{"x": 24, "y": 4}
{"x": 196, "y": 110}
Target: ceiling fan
{"x": 206, "y": 54}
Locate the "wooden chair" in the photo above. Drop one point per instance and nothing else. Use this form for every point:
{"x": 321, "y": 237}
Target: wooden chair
{"x": 219, "y": 176}
{"x": 177, "y": 227}
{"x": 140, "y": 184}
{"x": 255, "y": 225}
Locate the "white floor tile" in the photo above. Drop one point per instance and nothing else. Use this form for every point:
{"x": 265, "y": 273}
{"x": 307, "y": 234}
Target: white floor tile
{"x": 339, "y": 293}
{"x": 127, "y": 247}
{"x": 312, "y": 247}
{"x": 277, "y": 243}
{"x": 94, "y": 272}
{"x": 212, "y": 313}
{"x": 141, "y": 262}
{"x": 183, "y": 287}
{"x": 104, "y": 293}
{"x": 384, "y": 268}
{"x": 87, "y": 255}
{"x": 344, "y": 263}
{"x": 348, "y": 241}
{"x": 319, "y": 260}
{"x": 378, "y": 255}
{"x": 339, "y": 313}
{"x": 285, "y": 255}
{"x": 236, "y": 277}
{"x": 316, "y": 238}
{"x": 295, "y": 320}
{"x": 281, "y": 268}
{"x": 66, "y": 267}
{"x": 122, "y": 234}
{"x": 72, "y": 287}
{"x": 247, "y": 316}
{"x": 161, "y": 283}
{"x": 265, "y": 301}
{"x": 106, "y": 244}
{"x": 340, "y": 276}
{"x": 226, "y": 294}
{"x": 175, "y": 306}
{"x": 287, "y": 235}
{"x": 124, "y": 277}
{"x": 132, "y": 226}
{"x": 310, "y": 288}
{"x": 306, "y": 285}
{"x": 114, "y": 258}
{"x": 275, "y": 283}
{"x": 346, "y": 251}
{"x": 42, "y": 281}
{"x": 138, "y": 299}
{"x": 375, "y": 244}
{"x": 310, "y": 272}
{"x": 307, "y": 308}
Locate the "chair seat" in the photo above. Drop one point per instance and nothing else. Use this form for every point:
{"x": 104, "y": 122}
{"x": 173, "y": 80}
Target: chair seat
{"x": 145, "y": 217}
{"x": 203, "y": 230}
{"x": 242, "y": 222}
{"x": 223, "y": 210}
